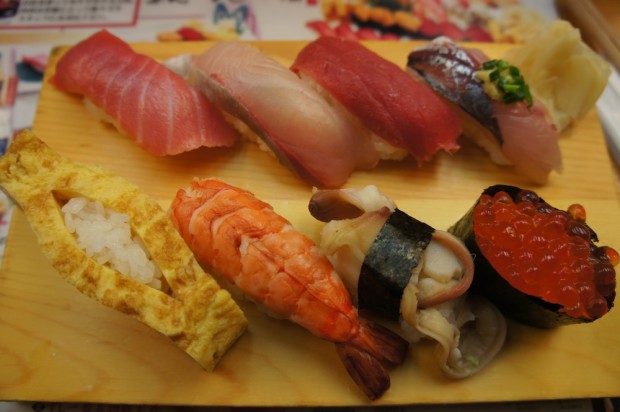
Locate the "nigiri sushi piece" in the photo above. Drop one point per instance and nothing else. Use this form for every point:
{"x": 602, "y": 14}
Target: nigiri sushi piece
{"x": 497, "y": 109}
{"x": 540, "y": 265}
{"x": 141, "y": 97}
{"x": 401, "y": 113}
{"x": 290, "y": 118}
{"x": 115, "y": 244}
{"x": 402, "y": 269}
{"x": 257, "y": 250}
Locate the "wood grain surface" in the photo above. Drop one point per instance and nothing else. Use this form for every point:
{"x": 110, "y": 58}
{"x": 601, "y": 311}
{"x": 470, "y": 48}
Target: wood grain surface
{"x": 58, "y": 345}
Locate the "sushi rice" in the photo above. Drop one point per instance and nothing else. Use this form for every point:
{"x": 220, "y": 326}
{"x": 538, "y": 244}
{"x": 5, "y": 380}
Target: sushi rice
{"x": 105, "y": 235}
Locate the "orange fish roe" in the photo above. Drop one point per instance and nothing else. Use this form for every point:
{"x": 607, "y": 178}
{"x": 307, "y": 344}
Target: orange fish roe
{"x": 546, "y": 252}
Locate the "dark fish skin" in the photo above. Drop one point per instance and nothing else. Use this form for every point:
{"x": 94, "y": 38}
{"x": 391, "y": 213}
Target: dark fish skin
{"x": 450, "y": 71}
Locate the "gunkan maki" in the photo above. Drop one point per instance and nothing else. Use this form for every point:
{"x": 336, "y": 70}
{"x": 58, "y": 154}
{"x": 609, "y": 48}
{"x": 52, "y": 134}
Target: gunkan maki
{"x": 540, "y": 265}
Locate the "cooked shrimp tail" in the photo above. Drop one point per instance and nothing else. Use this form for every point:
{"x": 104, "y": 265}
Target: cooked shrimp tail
{"x": 364, "y": 357}
{"x": 389, "y": 346}
{"x": 365, "y": 370}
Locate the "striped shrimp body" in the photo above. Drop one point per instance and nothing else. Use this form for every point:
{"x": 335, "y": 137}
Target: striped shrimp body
{"x": 250, "y": 245}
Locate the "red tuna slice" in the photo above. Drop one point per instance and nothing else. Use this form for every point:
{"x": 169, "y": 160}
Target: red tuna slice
{"x": 141, "y": 97}
{"x": 390, "y": 103}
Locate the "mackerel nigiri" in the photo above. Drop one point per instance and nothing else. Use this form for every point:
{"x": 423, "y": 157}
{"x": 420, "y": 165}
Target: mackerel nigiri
{"x": 401, "y": 111}
{"x": 291, "y": 118}
{"x": 400, "y": 268}
{"x": 141, "y": 97}
{"x": 498, "y": 111}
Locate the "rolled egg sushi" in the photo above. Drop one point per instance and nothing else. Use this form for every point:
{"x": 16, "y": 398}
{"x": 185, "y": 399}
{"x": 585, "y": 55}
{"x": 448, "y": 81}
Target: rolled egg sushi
{"x": 404, "y": 270}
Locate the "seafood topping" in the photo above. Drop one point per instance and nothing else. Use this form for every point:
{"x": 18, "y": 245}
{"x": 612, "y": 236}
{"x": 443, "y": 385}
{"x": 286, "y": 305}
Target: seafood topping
{"x": 546, "y": 252}
{"x": 140, "y": 97}
{"x": 283, "y": 271}
{"x": 451, "y": 71}
{"x": 469, "y": 330}
{"x": 497, "y": 110}
{"x": 382, "y": 251}
{"x": 402, "y": 269}
{"x": 402, "y": 112}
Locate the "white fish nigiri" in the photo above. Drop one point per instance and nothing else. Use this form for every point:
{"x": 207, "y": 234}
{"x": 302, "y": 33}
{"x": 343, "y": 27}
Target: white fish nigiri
{"x": 290, "y": 117}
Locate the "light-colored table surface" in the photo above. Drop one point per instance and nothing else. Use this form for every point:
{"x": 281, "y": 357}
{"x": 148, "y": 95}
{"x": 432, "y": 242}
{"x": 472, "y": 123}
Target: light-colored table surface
{"x": 438, "y": 193}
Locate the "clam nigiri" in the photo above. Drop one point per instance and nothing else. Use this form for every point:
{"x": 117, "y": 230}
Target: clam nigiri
{"x": 292, "y": 119}
{"x": 402, "y": 114}
{"x": 498, "y": 111}
{"x": 400, "y": 268}
{"x": 141, "y": 97}
{"x": 251, "y": 246}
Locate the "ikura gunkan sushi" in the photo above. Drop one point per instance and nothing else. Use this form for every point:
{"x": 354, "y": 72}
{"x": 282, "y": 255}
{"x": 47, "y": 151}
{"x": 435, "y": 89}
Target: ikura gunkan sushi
{"x": 404, "y": 270}
{"x": 540, "y": 265}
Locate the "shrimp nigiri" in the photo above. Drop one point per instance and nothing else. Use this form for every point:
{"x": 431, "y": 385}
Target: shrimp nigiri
{"x": 250, "y": 245}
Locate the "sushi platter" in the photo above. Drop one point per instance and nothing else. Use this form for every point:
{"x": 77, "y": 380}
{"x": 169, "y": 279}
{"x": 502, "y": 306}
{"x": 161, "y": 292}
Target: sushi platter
{"x": 58, "y": 345}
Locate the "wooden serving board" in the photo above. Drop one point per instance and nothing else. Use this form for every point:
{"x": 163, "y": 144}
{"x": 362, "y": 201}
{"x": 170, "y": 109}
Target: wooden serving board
{"x": 58, "y": 345}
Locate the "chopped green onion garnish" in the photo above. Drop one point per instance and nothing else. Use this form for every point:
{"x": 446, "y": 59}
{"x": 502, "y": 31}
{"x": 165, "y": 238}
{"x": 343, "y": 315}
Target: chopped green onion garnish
{"x": 508, "y": 81}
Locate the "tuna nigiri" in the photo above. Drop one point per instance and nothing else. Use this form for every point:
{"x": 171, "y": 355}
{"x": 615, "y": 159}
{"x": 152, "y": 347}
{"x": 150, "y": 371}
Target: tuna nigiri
{"x": 403, "y": 112}
{"x": 291, "y": 118}
{"x": 511, "y": 125}
{"x": 141, "y": 97}
{"x": 246, "y": 242}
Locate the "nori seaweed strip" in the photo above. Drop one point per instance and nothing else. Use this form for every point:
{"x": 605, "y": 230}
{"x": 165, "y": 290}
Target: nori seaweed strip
{"x": 524, "y": 308}
{"x": 387, "y": 268}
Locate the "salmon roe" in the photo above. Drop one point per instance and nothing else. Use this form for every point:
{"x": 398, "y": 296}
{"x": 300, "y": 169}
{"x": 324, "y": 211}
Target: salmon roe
{"x": 546, "y": 252}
